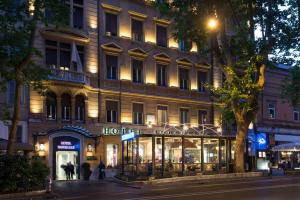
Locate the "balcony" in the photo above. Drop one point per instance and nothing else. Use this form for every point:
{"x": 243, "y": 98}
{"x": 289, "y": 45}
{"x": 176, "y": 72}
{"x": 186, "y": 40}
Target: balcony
{"x": 69, "y": 76}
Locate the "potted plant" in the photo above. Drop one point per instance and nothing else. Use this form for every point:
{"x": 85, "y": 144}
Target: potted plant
{"x": 86, "y": 170}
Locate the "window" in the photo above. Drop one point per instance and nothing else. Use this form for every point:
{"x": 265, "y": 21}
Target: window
{"x": 202, "y": 79}
{"x": 11, "y": 86}
{"x": 111, "y": 67}
{"x": 184, "y": 116}
{"x": 185, "y": 45}
{"x": 138, "y": 110}
{"x": 184, "y": 78}
{"x": 161, "y": 75}
{"x": 202, "y": 117}
{"x": 78, "y": 14}
{"x": 296, "y": 115}
{"x": 65, "y": 107}
{"x": 51, "y": 106}
{"x": 111, "y": 24}
{"x": 112, "y": 111}
{"x": 162, "y": 115}
{"x": 136, "y": 30}
{"x": 58, "y": 55}
{"x": 79, "y": 107}
{"x": 137, "y": 71}
{"x": 272, "y": 110}
{"x": 161, "y": 36}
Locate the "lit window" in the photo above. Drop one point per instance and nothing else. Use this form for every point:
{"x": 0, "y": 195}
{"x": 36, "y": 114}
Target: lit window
{"x": 162, "y": 116}
{"x": 202, "y": 117}
{"x": 184, "y": 116}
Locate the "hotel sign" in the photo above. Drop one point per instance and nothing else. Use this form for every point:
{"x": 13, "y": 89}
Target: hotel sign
{"x": 119, "y": 131}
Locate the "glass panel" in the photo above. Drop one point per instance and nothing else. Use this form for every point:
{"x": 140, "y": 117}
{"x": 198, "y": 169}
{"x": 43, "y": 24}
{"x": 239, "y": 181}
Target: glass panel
{"x": 173, "y": 154}
{"x": 210, "y": 153}
{"x": 111, "y": 155}
{"x": 223, "y": 155}
{"x": 145, "y": 155}
{"x": 232, "y": 151}
{"x": 192, "y": 155}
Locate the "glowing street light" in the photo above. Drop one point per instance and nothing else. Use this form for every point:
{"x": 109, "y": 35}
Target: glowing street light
{"x": 212, "y": 23}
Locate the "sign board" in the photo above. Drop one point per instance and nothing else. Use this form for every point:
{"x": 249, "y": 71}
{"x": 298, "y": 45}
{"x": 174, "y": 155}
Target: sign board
{"x": 119, "y": 131}
{"x": 261, "y": 141}
{"x": 66, "y": 143}
{"x": 128, "y": 136}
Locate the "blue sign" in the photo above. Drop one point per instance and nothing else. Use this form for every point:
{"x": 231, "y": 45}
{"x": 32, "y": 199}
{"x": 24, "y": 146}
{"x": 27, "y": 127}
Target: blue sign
{"x": 128, "y": 136}
{"x": 261, "y": 141}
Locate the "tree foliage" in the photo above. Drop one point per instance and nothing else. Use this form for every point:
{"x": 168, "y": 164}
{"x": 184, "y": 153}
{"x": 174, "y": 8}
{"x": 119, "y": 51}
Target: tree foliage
{"x": 251, "y": 35}
{"x": 19, "y": 21}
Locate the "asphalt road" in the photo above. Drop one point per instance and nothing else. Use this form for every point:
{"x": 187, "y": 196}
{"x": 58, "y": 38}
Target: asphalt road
{"x": 264, "y": 188}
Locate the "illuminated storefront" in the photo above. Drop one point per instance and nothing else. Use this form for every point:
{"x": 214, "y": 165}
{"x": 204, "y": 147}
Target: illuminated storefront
{"x": 174, "y": 151}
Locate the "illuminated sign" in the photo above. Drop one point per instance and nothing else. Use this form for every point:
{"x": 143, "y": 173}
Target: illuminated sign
{"x": 128, "y": 136}
{"x": 261, "y": 141}
{"x": 67, "y": 145}
{"x": 119, "y": 131}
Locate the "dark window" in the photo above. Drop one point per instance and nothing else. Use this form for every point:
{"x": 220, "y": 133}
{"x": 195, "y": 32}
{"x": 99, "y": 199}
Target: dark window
{"x": 137, "y": 30}
{"x": 184, "y": 116}
{"x": 137, "y": 111}
{"x": 79, "y": 107}
{"x": 112, "y": 111}
{"x": 271, "y": 111}
{"x": 137, "y": 71}
{"x": 162, "y": 115}
{"x": 202, "y": 80}
{"x": 111, "y": 67}
{"x": 65, "y": 55}
{"x": 161, "y": 75}
{"x": 51, "y": 105}
{"x": 296, "y": 115}
{"x": 65, "y": 107}
{"x": 51, "y": 54}
{"x": 202, "y": 117}
{"x": 184, "y": 78}
{"x": 78, "y": 14}
{"x": 185, "y": 45}
{"x": 111, "y": 24}
{"x": 80, "y": 50}
{"x": 161, "y": 36}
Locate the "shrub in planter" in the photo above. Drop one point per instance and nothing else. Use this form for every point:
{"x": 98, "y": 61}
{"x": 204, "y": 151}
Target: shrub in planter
{"x": 86, "y": 170}
{"x": 39, "y": 172}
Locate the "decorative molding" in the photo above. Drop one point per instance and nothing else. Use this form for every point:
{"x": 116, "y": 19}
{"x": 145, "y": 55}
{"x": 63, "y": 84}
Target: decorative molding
{"x": 184, "y": 61}
{"x": 162, "y": 57}
{"x": 203, "y": 66}
{"x": 137, "y": 15}
{"x": 111, "y": 8}
{"x": 112, "y": 47}
{"x": 163, "y": 22}
{"x": 65, "y": 34}
{"x": 137, "y": 52}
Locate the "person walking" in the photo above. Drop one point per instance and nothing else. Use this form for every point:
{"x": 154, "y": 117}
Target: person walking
{"x": 72, "y": 172}
{"x": 101, "y": 170}
{"x": 68, "y": 171}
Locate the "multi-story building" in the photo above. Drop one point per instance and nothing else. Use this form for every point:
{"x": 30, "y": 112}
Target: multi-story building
{"x": 123, "y": 90}
{"x": 277, "y": 121}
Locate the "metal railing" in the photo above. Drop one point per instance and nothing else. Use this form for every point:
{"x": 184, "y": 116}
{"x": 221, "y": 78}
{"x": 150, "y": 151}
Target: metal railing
{"x": 70, "y": 76}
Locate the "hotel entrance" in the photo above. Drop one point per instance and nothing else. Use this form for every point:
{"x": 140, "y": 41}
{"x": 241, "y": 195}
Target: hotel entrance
{"x": 66, "y": 152}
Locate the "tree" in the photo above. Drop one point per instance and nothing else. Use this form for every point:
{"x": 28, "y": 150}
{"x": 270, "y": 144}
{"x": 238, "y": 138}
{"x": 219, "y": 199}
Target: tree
{"x": 19, "y": 21}
{"x": 241, "y": 55}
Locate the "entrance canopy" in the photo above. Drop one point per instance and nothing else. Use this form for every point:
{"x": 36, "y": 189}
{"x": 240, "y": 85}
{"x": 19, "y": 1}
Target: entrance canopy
{"x": 287, "y": 147}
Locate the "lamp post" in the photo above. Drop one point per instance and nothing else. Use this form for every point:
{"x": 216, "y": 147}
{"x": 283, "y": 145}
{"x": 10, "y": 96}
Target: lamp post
{"x": 212, "y": 26}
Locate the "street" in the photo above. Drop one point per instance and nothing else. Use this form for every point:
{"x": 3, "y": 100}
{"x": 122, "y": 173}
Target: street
{"x": 270, "y": 188}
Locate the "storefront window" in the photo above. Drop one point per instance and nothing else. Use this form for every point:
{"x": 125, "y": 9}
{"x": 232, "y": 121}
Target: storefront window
{"x": 173, "y": 153}
{"x": 145, "y": 149}
{"x": 158, "y": 154}
{"x": 232, "y": 150}
{"x": 192, "y": 154}
{"x": 129, "y": 152}
{"x": 223, "y": 155}
{"x": 111, "y": 155}
{"x": 210, "y": 152}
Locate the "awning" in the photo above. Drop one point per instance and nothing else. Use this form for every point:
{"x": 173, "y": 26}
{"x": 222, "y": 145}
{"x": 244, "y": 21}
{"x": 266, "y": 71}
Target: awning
{"x": 19, "y": 146}
{"x": 295, "y": 146}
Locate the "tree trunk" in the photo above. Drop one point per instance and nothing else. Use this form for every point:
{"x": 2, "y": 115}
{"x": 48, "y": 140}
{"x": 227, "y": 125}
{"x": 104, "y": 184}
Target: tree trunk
{"x": 11, "y": 150}
{"x": 242, "y": 128}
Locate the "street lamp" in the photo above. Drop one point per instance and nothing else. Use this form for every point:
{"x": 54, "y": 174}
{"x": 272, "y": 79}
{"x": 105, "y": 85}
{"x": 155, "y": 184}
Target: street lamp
{"x": 212, "y": 24}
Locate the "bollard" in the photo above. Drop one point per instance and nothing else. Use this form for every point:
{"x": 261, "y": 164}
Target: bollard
{"x": 49, "y": 185}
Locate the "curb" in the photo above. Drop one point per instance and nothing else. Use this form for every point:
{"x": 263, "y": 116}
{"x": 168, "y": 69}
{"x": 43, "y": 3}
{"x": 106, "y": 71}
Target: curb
{"x": 22, "y": 194}
{"x": 137, "y": 184}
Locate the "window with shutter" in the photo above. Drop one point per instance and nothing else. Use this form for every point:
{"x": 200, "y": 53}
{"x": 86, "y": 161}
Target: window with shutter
{"x": 111, "y": 67}
{"x": 112, "y": 111}
{"x": 184, "y": 78}
{"x": 161, "y": 75}
{"x": 162, "y": 115}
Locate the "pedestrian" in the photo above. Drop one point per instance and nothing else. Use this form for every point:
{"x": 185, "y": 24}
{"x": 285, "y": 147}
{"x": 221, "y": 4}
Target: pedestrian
{"x": 149, "y": 166}
{"x": 101, "y": 170}
{"x": 68, "y": 170}
{"x": 72, "y": 172}
{"x": 270, "y": 165}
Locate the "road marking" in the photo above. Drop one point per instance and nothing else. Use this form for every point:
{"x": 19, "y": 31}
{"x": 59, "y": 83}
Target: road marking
{"x": 213, "y": 192}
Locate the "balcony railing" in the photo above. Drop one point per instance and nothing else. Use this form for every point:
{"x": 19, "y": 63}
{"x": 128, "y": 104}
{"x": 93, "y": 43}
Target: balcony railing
{"x": 70, "y": 76}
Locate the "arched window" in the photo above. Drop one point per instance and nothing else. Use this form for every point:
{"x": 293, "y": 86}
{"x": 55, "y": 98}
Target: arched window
{"x": 79, "y": 108}
{"x": 51, "y": 106}
{"x": 65, "y": 107}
